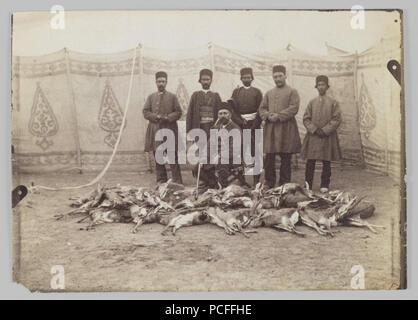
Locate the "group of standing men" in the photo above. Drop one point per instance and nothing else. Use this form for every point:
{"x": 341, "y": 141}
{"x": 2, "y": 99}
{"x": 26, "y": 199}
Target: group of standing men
{"x": 248, "y": 109}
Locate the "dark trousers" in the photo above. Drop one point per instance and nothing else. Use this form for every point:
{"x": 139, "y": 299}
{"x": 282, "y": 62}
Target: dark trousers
{"x": 207, "y": 177}
{"x": 270, "y": 168}
{"x": 251, "y": 148}
{"x": 162, "y": 172}
{"x": 325, "y": 176}
{"x": 228, "y": 173}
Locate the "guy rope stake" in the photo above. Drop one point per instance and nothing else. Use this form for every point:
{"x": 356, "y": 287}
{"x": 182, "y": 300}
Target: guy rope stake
{"x": 103, "y": 172}
{"x": 199, "y": 168}
{"x": 197, "y": 181}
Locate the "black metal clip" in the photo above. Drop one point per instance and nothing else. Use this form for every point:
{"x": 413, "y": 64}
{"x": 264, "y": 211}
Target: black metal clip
{"x": 18, "y": 194}
{"x": 395, "y": 69}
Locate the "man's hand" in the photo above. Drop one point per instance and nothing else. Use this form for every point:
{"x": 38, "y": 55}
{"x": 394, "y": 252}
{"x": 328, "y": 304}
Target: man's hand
{"x": 273, "y": 117}
{"x": 162, "y": 118}
{"x": 319, "y": 132}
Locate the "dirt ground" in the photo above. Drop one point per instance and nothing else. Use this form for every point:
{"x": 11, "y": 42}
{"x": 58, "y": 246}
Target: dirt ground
{"x": 200, "y": 258}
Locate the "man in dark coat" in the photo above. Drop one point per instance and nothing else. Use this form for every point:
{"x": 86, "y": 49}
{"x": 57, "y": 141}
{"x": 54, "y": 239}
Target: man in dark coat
{"x": 228, "y": 171}
{"x": 225, "y": 171}
{"x": 202, "y": 114}
{"x": 281, "y": 135}
{"x": 321, "y": 119}
{"x": 162, "y": 109}
{"x": 247, "y": 100}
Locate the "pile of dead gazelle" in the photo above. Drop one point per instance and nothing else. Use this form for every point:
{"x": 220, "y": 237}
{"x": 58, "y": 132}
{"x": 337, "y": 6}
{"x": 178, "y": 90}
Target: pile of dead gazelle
{"x": 235, "y": 209}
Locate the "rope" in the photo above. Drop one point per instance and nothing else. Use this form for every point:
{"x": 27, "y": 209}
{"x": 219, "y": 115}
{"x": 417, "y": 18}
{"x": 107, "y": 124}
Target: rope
{"x": 103, "y": 172}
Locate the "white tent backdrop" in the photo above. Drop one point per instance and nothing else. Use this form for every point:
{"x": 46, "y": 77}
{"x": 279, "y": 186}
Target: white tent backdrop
{"x": 68, "y": 106}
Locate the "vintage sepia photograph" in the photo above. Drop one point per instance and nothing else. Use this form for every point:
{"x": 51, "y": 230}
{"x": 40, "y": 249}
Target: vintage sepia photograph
{"x": 208, "y": 150}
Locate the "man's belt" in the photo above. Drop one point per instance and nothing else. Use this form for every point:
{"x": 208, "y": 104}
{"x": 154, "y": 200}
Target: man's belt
{"x": 206, "y": 120}
{"x": 249, "y": 116}
{"x": 206, "y": 114}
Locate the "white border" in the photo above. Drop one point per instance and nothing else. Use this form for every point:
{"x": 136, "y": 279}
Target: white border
{"x": 9, "y": 290}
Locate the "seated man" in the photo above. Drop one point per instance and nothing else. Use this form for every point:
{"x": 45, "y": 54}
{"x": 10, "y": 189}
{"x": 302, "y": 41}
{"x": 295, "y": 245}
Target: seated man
{"x": 227, "y": 172}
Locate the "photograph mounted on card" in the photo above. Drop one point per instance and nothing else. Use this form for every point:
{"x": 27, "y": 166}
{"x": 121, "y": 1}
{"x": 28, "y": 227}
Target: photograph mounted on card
{"x": 226, "y": 150}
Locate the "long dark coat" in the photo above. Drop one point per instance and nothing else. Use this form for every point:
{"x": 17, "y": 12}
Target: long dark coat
{"x": 200, "y": 98}
{"x": 283, "y": 135}
{"x": 246, "y": 100}
{"x": 165, "y": 104}
{"x": 325, "y": 113}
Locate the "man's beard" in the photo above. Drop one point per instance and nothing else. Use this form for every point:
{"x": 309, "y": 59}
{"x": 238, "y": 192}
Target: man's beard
{"x": 206, "y": 86}
{"x": 161, "y": 88}
{"x": 280, "y": 84}
{"x": 223, "y": 120}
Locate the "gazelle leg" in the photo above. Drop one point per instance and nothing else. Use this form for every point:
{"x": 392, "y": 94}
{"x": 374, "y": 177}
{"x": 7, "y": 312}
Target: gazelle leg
{"x": 361, "y": 223}
{"x": 310, "y": 223}
{"x": 139, "y": 223}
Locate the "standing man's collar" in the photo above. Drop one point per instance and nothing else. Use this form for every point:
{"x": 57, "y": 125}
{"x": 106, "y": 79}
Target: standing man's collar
{"x": 247, "y": 87}
{"x": 284, "y": 86}
{"x": 322, "y": 98}
{"x": 206, "y": 91}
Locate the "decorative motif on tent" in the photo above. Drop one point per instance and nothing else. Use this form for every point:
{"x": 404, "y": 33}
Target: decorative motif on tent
{"x": 233, "y": 65}
{"x": 366, "y": 109}
{"x": 369, "y": 59}
{"x": 38, "y": 69}
{"x": 183, "y": 97}
{"x": 182, "y": 65}
{"x": 115, "y": 68}
{"x": 121, "y": 158}
{"x": 318, "y": 66}
{"x": 48, "y": 159}
{"x": 42, "y": 123}
{"x": 110, "y": 115}
{"x": 88, "y": 158}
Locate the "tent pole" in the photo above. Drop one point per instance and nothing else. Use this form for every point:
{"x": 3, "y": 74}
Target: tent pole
{"x": 142, "y": 99}
{"x": 357, "y": 102}
{"x": 212, "y": 58}
{"x": 289, "y": 67}
{"x": 73, "y": 111}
